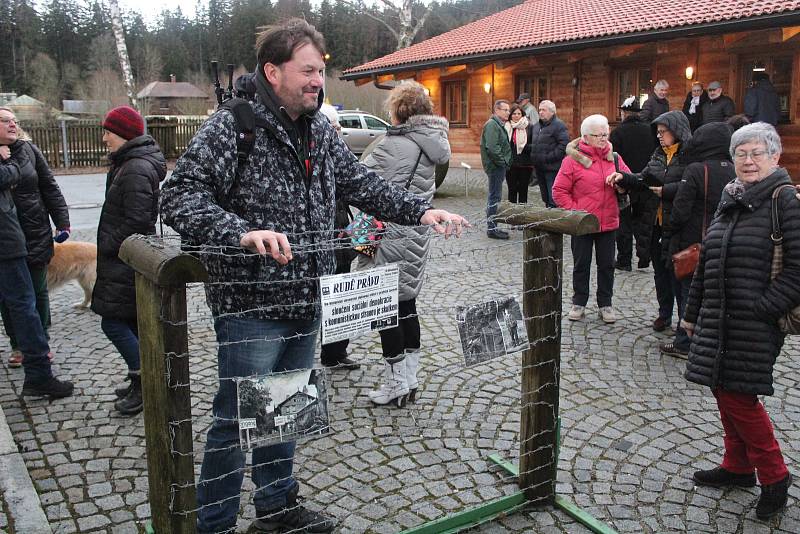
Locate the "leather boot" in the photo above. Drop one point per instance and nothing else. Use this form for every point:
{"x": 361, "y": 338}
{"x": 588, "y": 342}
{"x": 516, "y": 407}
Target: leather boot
{"x": 132, "y": 403}
{"x": 412, "y": 367}
{"x": 395, "y": 388}
{"x": 122, "y": 392}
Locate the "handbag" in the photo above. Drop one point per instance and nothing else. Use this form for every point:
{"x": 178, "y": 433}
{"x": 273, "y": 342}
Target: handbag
{"x": 365, "y": 231}
{"x": 623, "y": 199}
{"x": 685, "y": 261}
{"x": 789, "y": 323}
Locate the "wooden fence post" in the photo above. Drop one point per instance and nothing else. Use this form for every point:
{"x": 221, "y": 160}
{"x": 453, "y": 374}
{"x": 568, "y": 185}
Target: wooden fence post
{"x": 162, "y": 273}
{"x": 541, "y": 363}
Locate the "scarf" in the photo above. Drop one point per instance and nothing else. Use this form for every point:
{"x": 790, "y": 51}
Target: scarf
{"x": 521, "y": 136}
{"x": 670, "y": 151}
{"x": 694, "y": 104}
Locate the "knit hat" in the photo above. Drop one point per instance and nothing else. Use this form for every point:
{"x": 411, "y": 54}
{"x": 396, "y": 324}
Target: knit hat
{"x": 125, "y": 122}
{"x": 714, "y": 85}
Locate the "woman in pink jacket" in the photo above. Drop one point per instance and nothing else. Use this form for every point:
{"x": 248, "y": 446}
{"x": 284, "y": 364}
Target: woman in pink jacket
{"x": 581, "y": 185}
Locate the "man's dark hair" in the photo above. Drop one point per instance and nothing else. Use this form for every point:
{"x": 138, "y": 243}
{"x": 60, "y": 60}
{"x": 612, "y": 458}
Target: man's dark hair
{"x": 276, "y": 43}
{"x": 737, "y": 121}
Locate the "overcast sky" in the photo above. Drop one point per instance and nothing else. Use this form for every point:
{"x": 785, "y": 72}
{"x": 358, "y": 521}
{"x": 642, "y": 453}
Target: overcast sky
{"x": 151, "y": 8}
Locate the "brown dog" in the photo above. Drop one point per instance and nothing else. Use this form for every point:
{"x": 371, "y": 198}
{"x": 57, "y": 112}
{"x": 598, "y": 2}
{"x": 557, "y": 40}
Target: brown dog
{"x": 74, "y": 260}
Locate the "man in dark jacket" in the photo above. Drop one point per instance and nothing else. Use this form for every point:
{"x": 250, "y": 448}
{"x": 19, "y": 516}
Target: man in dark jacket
{"x": 496, "y": 159}
{"x": 656, "y": 103}
{"x": 709, "y": 169}
{"x": 130, "y": 207}
{"x": 719, "y": 107}
{"x": 16, "y": 288}
{"x": 265, "y": 306}
{"x": 633, "y": 141}
{"x": 549, "y": 146}
{"x": 761, "y": 102}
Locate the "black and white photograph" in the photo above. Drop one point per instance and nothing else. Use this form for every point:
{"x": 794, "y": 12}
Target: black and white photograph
{"x": 282, "y": 407}
{"x": 491, "y": 329}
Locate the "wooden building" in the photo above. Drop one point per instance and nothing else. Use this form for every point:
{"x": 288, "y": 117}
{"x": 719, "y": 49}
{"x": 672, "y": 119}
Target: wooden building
{"x": 588, "y": 57}
{"x": 173, "y": 98}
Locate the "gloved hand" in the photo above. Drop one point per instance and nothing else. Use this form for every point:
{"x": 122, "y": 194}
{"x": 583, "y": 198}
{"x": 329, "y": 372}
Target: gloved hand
{"x": 61, "y": 235}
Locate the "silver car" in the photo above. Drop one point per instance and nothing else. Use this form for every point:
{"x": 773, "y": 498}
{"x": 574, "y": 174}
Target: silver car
{"x": 359, "y": 129}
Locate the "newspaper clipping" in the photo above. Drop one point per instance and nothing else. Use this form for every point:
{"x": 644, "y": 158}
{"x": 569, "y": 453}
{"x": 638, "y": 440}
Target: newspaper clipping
{"x": 356, "y": 303}
{"x": 491, "y": 329}
{"x": 282, "y": 407}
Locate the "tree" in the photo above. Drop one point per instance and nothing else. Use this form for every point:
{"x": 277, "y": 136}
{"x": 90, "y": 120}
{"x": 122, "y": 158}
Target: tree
{"x": 404, "y": 25}
{"x": 122, "y": 51}
{"x": 43, "y": 80}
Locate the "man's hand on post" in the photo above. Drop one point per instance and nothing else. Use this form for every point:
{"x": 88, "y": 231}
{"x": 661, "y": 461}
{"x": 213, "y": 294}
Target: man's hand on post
{"x": 268, "y": 242}
{"x": 444, "y": 222}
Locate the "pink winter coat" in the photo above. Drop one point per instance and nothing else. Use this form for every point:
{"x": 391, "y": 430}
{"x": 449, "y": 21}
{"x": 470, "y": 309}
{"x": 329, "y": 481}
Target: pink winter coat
{"x": 581, "y": 183}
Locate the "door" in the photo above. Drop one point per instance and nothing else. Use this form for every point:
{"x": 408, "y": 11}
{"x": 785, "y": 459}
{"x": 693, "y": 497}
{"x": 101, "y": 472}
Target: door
{"x": 353, "y": 133}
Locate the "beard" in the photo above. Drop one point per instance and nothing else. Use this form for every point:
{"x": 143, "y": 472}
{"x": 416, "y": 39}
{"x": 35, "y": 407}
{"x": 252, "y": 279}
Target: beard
{"x": 300, "y": 102}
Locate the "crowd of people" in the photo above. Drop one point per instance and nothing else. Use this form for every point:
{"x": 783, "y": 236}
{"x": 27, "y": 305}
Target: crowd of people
{"x": 667, "y": 179}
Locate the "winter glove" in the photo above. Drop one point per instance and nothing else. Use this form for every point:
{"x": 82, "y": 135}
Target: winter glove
{"x": 61, "y": 235}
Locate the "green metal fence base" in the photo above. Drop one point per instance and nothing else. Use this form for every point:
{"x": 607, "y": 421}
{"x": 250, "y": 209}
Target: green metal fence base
{"x": 148, "y": 528}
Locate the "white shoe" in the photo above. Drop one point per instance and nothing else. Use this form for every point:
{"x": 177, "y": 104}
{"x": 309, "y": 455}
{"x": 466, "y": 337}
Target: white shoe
{"x": 576, "y": 313}
{"x": 607, "y": 314}
{"x": 412, "y": 366}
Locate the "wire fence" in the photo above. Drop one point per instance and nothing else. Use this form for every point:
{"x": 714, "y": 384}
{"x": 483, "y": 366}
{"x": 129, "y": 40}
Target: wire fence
{"x": 489, "y": 375}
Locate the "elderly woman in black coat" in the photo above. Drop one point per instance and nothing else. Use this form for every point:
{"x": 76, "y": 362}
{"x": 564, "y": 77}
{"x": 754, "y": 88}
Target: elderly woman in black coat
{"x": 131, "y": 207}
{"x": 733, "y": 312}
{"x": 38, "y": 199}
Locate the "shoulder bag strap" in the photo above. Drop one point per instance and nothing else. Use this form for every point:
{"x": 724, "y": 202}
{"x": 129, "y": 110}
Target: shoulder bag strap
{"x": 705, "y": 199}
{"x": 616, "y": 161}
{"x": 777, "y": 234}
{"x": 414, "y": 170}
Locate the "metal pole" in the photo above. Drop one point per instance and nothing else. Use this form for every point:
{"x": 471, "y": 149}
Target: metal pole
{"x": 64, "y": 144}
{"x": 466, "y": 185}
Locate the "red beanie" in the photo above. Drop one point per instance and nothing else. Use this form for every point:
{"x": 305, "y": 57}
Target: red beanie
{"x": 125, "y": 122}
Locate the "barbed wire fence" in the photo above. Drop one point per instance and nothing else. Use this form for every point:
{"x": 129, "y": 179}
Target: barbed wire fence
{"x": 424, "y": 462}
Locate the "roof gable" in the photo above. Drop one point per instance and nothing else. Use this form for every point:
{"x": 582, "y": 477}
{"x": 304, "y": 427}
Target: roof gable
{"x": 171, "y": 90}
{"x": 544, "y": 23}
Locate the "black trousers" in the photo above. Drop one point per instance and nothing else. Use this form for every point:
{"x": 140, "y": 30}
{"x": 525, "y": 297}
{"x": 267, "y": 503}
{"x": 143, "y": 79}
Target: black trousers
{"x": 662, "y": 275}
{"x": 625, "y": 238}
{"x": 518, "y": 179}
{"x": 603, "y": 244}
{"x": 406, "y": 335}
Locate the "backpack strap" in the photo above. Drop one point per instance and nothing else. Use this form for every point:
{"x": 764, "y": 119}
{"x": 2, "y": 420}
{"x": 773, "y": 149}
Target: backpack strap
{"x": 245, "y": 127}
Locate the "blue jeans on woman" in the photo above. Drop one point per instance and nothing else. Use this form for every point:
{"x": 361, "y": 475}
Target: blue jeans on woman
{"x": 249, "y": 347}
{"x": 124, "y": 335}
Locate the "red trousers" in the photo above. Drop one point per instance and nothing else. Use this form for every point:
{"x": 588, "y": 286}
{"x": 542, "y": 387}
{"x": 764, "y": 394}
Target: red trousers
{"x": 749, "y": 438}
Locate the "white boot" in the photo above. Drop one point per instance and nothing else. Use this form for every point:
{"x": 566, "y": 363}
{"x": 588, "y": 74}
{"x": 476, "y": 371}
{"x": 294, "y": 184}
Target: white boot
{"x": 396, "y": 388}
{"x": 412, "y": 366}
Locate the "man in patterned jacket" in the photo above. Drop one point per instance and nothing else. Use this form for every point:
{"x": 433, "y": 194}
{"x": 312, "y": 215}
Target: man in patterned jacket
{"x": 265, "y": 310}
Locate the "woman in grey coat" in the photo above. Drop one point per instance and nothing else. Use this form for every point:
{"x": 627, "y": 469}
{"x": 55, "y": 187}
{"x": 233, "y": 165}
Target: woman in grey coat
{"x": 407, "y": 156}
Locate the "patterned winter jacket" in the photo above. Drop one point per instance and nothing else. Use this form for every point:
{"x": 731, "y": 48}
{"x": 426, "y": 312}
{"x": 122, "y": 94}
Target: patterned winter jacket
{"x": 208, "y": 203}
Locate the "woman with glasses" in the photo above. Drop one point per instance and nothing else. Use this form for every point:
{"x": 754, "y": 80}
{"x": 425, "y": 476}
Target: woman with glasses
{"x": 662, "y": 176}
{"x": 38, "y": 199}
{"x": 733, "y": 311}
{"x": 584, "y": 183}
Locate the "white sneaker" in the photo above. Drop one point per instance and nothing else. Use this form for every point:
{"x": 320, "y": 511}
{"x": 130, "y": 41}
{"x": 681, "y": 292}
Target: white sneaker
{"x": 607, "y": 314}
{"x": 576, "y": 313}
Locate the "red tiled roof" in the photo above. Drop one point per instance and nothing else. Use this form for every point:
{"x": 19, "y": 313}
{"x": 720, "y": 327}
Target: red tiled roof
{"x": 549, "y": 22}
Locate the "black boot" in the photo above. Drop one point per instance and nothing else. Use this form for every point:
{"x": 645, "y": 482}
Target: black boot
{"x": 773, "y": 498}
{"x": 722, "y": 478}
{"x": 293, "y": 517}
{"x": 122, "y": 392}
{"x": 52, "y": 387}
{"x": 132, "y": 403}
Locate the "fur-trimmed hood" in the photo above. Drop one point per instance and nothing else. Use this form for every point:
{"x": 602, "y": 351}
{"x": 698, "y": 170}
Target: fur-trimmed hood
{"x": 574, "y": 151}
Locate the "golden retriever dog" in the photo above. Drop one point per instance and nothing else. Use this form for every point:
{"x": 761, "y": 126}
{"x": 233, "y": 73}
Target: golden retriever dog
{"x": 74, "y": 260}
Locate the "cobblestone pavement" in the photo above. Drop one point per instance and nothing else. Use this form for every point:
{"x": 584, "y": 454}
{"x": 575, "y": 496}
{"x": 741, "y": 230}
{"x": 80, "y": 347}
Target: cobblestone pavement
{"x": 633, "y": 429}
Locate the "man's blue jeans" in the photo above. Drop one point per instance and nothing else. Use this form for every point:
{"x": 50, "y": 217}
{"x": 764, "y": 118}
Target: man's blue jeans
{"x": 496, "y": 178}
{"x": 16, "y": 292}
{"x": 249, "y": 347}
{"x": 124, "y": 334}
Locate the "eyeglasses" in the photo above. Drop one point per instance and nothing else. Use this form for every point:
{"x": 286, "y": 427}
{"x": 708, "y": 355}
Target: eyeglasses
{"x": 755, "y": 155}
{"x": 8, "y": 121}
{"x": 504, "y": 110}
{"x": 661, "y": 133}
{"x": 599, "y": 136}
